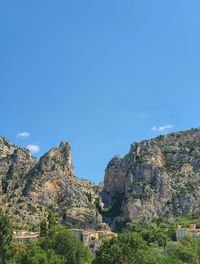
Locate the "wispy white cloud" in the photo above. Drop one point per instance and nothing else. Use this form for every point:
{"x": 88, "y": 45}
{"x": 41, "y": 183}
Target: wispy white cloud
{"x": 23, "y": 135}
{"x": 161, "y": 128}
{"x": 33, "y": 148}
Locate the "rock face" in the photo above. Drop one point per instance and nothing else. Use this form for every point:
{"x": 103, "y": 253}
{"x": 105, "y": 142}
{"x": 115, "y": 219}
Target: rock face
{"x": 158, "y": 178}
{"x": 29, "y": 188}
{"x": 15, "y": 163}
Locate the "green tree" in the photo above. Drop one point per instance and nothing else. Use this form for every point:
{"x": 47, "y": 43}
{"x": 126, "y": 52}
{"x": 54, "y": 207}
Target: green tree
{"x": 43, "y": 228}
{"x": 65, "y": 245}
{"x": 188, "y": 250}
{"x": 5, "y": 235}
{"x": 51, "y": 220}
{"x": 16, "y": 253}
{"x": 152, "y": 233}
{"x": 127, "y": 248}
{"x": 169, "y": 260}
{"x": 57, "y": 247}
{"x": 37, "y": 255}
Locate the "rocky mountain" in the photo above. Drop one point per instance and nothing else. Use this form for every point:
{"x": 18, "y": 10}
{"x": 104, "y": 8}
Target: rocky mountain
{"x": 30, "y": 187}
{"x": 158, "y": 178}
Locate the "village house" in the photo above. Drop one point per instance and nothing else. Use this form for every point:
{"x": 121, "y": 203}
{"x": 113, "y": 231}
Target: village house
{"x": 25, "y": 236}
{"x": 92, "y": 238}
{"x": 181, "y": 233}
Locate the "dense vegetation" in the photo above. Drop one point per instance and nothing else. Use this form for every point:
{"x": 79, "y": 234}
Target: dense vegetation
{"x": 56, "y": 245}
{"x": 137, "y": 244}
{"x": 149, "y": 245}
{"x": 59, "y": 247}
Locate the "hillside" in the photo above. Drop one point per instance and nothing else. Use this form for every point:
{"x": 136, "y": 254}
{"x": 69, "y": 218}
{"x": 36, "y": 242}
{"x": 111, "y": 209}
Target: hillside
{"x": 29, "y": 187}
{"x": 158, "y": 178}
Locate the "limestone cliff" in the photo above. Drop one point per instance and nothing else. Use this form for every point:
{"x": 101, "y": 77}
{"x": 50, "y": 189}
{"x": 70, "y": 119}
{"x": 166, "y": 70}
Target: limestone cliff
{"x": 157, "y": 178}
{"x": 30, "y": 187}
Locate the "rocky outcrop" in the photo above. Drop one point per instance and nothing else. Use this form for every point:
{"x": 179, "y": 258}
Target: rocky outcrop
{"x": 30, "y": 187}
{"x": 15, "y": 163}
{"x": 158, "y": 178}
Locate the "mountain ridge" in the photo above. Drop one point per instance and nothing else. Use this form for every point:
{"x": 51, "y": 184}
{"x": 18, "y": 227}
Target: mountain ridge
{"x": 29, "y": 187}
{"x": 158, "y": 178}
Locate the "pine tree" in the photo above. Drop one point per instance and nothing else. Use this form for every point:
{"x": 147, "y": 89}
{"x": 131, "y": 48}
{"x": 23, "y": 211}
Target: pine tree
{"x": 43, "y": 228}
{"x": 5, "y": 235}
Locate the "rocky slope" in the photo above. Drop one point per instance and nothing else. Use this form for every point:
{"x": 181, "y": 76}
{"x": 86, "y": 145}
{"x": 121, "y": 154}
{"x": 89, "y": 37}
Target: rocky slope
{"x": 157, "y": 178}
{"x": 30, "y": 187}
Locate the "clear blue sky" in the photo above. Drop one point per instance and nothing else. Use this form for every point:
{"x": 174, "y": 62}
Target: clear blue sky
{"x": 99, "y": 74}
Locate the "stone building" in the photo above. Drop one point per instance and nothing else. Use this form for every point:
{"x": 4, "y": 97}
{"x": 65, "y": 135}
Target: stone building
{"x": 181, "y": 233}
{"x": 25, "y": 236}
{"x": 92, "y": 238}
